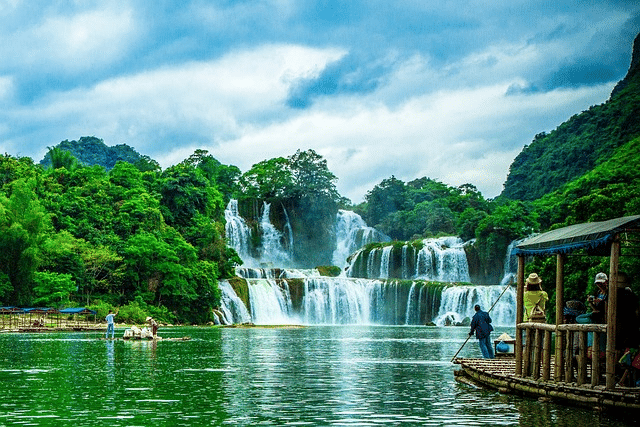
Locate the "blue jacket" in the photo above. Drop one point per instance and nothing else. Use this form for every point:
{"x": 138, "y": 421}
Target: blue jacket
{"x": 481, "y": 323}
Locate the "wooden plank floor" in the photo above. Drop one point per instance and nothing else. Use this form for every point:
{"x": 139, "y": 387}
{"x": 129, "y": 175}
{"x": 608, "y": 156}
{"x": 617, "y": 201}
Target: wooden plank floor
{"x": 499, "y": 374}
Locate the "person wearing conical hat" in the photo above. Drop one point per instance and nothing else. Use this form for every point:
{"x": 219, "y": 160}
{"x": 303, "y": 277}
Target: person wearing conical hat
{"x": 154, "y": 326}
{"x": 533, "y": 295}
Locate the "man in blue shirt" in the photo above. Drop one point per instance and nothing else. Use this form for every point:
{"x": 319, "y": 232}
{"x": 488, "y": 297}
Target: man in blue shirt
{"x": 110, "y": 325}
{"x": 481, "y": 324}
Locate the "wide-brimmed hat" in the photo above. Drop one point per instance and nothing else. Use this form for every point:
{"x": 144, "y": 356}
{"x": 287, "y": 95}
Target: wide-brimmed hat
{"x": 147, "y": 319}
{"x": 601, "y": 278}
{"x": 533, "y": 279}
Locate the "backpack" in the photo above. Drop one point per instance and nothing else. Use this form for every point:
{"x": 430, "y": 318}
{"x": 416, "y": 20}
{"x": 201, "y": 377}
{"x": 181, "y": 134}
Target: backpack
{"x": 537, "y": 314}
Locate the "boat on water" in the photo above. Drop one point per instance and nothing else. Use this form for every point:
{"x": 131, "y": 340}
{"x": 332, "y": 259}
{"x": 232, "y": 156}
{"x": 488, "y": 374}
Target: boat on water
{"x": 575, "y": 363}
{"x": 153, "y": 339}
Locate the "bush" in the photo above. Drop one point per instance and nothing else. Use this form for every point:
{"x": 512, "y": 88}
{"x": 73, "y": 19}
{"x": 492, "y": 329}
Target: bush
{"x": 329, "y": 270}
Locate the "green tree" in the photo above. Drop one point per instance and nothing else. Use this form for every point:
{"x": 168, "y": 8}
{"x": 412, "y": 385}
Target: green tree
{"x": 53, "y": 289}
{"x": 384, "y": 199}
{"x": 24, "y": 225}
{"x": 61, "y": 159}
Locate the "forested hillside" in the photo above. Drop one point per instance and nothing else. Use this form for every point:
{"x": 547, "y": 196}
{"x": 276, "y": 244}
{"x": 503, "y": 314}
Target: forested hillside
{"x": 89, "y": 151}
{"x": 146, "y": 240}
{"x": 581, "y": 143}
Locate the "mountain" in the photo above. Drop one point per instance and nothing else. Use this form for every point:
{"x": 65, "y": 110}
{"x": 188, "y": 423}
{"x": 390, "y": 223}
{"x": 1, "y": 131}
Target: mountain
{"x": 89, "y": 150}
{"x": 580, "y": 144}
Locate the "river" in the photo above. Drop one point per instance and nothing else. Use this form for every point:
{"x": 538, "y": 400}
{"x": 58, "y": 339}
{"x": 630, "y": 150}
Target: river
{"x": 316, "y": 375}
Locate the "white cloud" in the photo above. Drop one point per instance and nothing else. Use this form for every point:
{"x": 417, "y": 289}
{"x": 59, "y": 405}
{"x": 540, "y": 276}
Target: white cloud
{"x": 469, "y": 135}
{"x": 73, "y": 43}
{"x": 206, "y": 100}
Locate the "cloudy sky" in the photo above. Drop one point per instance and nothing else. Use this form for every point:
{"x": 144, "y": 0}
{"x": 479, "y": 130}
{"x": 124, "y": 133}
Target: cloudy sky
{"x": 410, "y": 88}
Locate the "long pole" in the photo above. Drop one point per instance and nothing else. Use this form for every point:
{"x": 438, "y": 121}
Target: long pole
{"x": 469, "y": 337}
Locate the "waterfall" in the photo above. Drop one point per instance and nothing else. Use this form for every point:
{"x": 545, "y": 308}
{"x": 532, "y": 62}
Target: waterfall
{"x": 231, "y": 306}
{"x": 273, "y": 250}
{"x": 270, "y": 303}
{"x": 385, "y": 262}
{"x": 237, "y": 231}
{"x": 352, "y": 233}
{"x": 369, "y": 293}
{"x": 510, "y": 265}
{"x": 442, "y": 259}
{"x": 337, "y": 301}
{"x": 458, "y": 302}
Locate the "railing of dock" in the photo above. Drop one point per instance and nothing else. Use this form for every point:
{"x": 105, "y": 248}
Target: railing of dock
{"x": 573, "y": 361}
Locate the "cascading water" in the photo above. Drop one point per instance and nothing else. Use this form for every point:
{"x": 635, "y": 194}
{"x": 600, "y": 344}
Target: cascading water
{"x": 273, "y": 250}
{"x": 352, "y": 233}
{"x": 442, "y": 259}
{"x": 458, "y": 302}
{"x": 343, "y": 300}
{"x": 237, "y": 231}
{"x": 368, "y": 294}
{"x": 232, "y": 307}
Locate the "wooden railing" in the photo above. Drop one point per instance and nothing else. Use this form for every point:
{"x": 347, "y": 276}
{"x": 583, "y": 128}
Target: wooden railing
{"x": 571, "y": 353}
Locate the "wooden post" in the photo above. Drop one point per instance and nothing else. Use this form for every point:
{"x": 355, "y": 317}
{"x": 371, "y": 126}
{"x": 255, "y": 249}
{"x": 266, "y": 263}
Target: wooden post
{"x": 546, "y": 358}
{"x": 595, "y": 359}
{"x": 559, "y": 355}
{"x": 568, "y": 356}
{"x": 519, "y": 314}
{"x": 537, "y": 352}
{"x": 612, "y": 309}
{"x": 559, "y": 314}
{"x": 527, "y": 354}
{"x": 582, "y": 358}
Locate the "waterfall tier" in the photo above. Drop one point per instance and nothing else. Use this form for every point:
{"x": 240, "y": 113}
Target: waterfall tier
{"x": 275, "y": 246}
{"x": 312, "y": 299}
{"x": 442, "y": 259}
{"x": 352, "y": 233}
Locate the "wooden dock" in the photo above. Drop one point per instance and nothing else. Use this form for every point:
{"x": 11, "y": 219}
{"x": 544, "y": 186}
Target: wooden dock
{"x": 500, "y": 374}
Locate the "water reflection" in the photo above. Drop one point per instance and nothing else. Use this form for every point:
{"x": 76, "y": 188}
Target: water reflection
{"x": 315, "y": 376}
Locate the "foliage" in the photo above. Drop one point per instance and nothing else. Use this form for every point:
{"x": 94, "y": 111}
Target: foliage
{"x": 23, "y": 227}
{"x": 302, "y": 192}
{"x": 577, "y": 146}
{"x": 134, "y": 237}
{"x": 424, "y": 208}
{"x": 89, "y": 150}
{"x": 52, "y": 289}
{"x": 329, "y": 270}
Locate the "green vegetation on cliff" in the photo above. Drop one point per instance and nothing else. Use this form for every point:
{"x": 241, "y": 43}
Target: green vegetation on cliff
{"x": 580, "y": 144}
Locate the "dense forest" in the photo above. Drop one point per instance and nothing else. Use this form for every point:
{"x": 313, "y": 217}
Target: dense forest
{"x": 106, "y": 227}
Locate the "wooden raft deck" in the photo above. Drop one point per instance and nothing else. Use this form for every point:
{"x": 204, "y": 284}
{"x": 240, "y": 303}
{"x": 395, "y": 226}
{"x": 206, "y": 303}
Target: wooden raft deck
{"x": 499, "y": 374}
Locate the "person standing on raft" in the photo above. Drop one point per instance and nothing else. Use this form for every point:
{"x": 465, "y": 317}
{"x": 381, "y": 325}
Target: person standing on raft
{"x": 481, "y": 324}
{"x": 110, "y": 325}
{"x": 154, "y": 326}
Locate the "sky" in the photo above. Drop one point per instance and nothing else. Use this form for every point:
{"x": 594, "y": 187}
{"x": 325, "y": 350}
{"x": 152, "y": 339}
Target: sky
{"x": 409, "y": 88}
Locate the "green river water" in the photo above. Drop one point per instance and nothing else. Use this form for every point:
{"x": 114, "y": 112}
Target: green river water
{"x": 317, "y": 375}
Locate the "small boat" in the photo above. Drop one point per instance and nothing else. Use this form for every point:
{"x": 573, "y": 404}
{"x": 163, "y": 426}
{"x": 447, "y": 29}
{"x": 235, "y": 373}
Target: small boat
{"x": 591, "y": 375}
{"x": 187, "y": 338}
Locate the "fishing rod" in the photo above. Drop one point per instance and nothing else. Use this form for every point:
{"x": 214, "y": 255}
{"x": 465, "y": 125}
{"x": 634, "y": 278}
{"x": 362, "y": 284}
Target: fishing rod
{"x": 469, "y": 337}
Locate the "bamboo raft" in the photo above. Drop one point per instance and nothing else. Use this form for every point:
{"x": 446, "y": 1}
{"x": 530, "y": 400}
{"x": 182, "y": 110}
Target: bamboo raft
{"x": 566, "y": 361}
{"x": 499, "y": 374}
{"x": 146, "y": 339}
